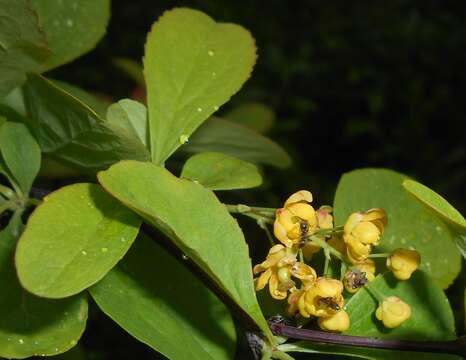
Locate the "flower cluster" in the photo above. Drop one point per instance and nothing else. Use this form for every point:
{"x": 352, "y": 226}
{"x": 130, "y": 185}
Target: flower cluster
{"x": 303, "y": 232}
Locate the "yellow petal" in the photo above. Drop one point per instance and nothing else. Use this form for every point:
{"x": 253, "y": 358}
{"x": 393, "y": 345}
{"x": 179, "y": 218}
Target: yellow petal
{"x": 275, "y": 292}
{"x": 263, "y": 279}
{"x": 337, "y": 322}
{"x": 302, "y": 195}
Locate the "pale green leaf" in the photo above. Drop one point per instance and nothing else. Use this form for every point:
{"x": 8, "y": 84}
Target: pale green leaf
{"x": 30, "y": 325}
{"x": 69, "y": 130}
{"x": 409, "y": 223}
{"x": 72, "y": 240}
{"x": 73, "y": 27}
{"x": 130, "y": 115}
{"x": 193, "y": 218}
{"x": 21, "y": 154}
{"x": 168, "y": 309}
{"x": 431, "y": 314}
{"x": 225, "y": 136}
{"x": 361, "y": 353}
{"x": 219, "y": 171}
{"x": 23, "y": 46}
{"x": 192, "y": 66}
{"x": 254, "y": 115}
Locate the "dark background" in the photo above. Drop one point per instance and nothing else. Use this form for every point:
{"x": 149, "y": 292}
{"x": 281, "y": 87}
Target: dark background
{"x": 353, "y": 84}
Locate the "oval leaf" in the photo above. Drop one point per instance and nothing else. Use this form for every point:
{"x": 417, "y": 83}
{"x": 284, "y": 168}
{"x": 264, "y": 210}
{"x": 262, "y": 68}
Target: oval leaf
{"x": 21, "y": 154}
{"x": 192, "y": 217}
{"x": 165, "y": 311}
{"x": 72, "y": 27}
{"x": 188, "y": 82}
{"x": 23, "y": 46}
{"x": 218, "y": 171}
{"x": 237, "y": 140}
{"x": 69, "y": 130}
{"x": 409, "y": 223}
{"x": 431, "y": 317}
{"x": 30, "y": 325}
{"x": 72, "y": 240}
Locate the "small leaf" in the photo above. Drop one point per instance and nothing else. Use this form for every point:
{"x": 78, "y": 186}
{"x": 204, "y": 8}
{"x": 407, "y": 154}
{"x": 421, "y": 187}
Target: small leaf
{"x": 70, "y": 131}
{"x": 23, "y": 46}
{"x": 167, "y": 310}
{"x": 193, "y": 218}
{"x": 409, "y": 223}
{"x": 130, "y": 115}
{"x": 217, "y": 171}
{"x": 253, "y": 115}
{"x": 237, "y": 140}
{"x": 21, "y": 154}
{"x": 72, "y": 240}
{"x": 362, "y": 353}
{"x": 72, "y": 27}
{"x": 131, "y": 68}
{"x": 30, "y": 325}
{"x": 431, "y": 317}
{"x": 188, "y": 82}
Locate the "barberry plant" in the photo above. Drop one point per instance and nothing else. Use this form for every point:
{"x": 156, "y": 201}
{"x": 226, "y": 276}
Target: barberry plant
{"x": 141, "y": 228}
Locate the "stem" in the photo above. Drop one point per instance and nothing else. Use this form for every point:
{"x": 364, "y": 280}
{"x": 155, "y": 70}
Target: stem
{"x": 446, "y": 347}
{"x": 6, "y": 191}
{"x": 9, "y": 205}
{"x": 327, "y": 259}
{"x": 375, "y": 293}
{"x": 324, "y": 246}
{"x": 281, "y": 355}
{"x": 343, "y": 268}
{"x": 301, "y": 256}
{"x": 381, "y": 255}
{"x": 263, "y": 226}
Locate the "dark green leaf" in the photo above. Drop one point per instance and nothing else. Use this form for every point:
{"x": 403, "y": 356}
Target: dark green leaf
{"x": 159, "y": 302}
{"x": 132, "y": 68}
{"x": 30, "y": 325}
{"x": 72, "y": 240}
{"x": 20, "y": 153}
{"x": 218, "y": 171}
{"x": 236, "y": 140}
{"x": 73, "y": 27}
{"x": 23, "y": 46}
{"x": 130, "y": 115}
{"x": 188, "y": 82}
{"x": 193, "y": 218}
{"x": 409, "y": 223}
{"x": 253, "y": 115}
{"x": 70, "y": 131}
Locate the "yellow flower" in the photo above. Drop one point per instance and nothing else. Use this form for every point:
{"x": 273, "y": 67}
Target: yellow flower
{"x": 324, "y": 221}
{"x": 393, "y": 312}
{"x": 304, "y": 272}
{"x": 338, "y": 322}
{"x": 362, "y": 231}
{"x": 276, "y": 271}
{"x": 403, "y": 262}
{"x": 323, "y": 298}
{"x": 296, "y": 219}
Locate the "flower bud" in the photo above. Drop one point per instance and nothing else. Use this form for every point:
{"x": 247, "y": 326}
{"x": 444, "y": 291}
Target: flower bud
{"x": 337, "y": 322}
{"x": 393, "y": 312}
{"x": 403, "y": 262}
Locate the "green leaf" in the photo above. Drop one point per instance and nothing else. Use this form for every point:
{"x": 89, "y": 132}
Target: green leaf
{"x": 193, "y": 218}
{"x": 188, "y": 82}
{"x": 409, "y": 223}
{"x": 72, "y": 240}
{"x": 253, "y": 115}
{"x": 237, "y": 140}
{"x": 70, "y": 131}
{"x": 159, "y": 302}
{"x": 361, "y": 353}
{"x": 431, "y": 317}
{"x": 72, "y": 27}
{"x": 442, "y": 208}
{"x": 132, "y": 116}
{"x": 218, "y": 171}
{"x": 97, "y": 104}
{"x": 21, "y": 154}
{"x": 30, "y": 325}
{"x": 132, "y": 68}
{"x": 23, "y": 46}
